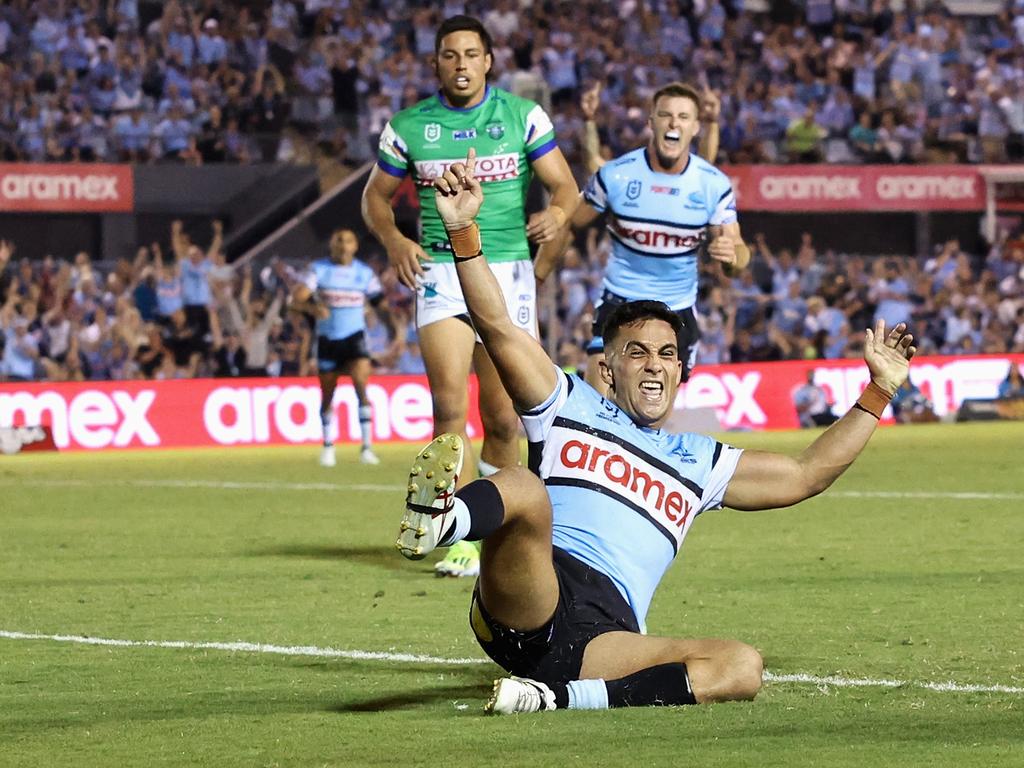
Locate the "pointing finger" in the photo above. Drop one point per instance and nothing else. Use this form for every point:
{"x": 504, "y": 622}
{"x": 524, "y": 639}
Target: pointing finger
{"x": 471, "y": 161}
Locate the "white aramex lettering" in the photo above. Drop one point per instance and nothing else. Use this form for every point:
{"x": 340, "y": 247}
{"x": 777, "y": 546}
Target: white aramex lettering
{"x": 925, "y": 187}
{"x": 88, "y": 420}
{"x": 809, "y": 187}
{"x": 24, "y": 186}
{"x": 32, "y": 408}
{"x": 134, "y": 422}
{"x": 412, "y": 412}
{"x": 307, "y": 426}
{"x": 237, "y": 400}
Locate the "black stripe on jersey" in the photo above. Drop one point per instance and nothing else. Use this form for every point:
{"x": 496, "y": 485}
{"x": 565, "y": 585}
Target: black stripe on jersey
{"x": 572, "y": 482}
{"x": 601, "y": 182}
{"x": 561, "y": 421}
{"x": 725, "y": 194}
{"x": 692, "y": 253}
{"x": 534, "y": 455}
{"x": 674, "y": 224}
{"x": 718, "y": 452}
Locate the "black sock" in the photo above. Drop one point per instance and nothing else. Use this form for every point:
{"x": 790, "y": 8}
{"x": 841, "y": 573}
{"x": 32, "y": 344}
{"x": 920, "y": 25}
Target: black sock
{"x": 486, "y": 509}
{"x": 663, "y": 685}
{"x": 561, "y": 691}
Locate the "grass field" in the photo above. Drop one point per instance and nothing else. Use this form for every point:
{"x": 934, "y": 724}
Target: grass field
{"x": 909, "y": 569}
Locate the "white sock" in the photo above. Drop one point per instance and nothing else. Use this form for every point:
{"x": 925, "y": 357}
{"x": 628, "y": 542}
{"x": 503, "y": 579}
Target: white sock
{"x": 459, "y": 528}
{"x": 588, "y": 694}
{"x": 325, "y": 422}
{"x": 365, "y": 421}
{"x": 485, "y": 469}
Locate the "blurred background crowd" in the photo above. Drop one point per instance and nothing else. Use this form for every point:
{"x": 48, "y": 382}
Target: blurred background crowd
{"x": 314, "y": 81}
{"x": 212, "y": 81}
{"x": 179, "y": 310}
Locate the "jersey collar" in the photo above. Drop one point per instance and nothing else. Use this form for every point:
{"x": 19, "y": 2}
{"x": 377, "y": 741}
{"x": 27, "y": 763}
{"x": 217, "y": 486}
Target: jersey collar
{"x": 647, "y": 159}
{"x": 446, "y": 105}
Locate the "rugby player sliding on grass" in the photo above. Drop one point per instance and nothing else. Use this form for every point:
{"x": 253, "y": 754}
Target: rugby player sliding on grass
{"x": 574, "y": 549}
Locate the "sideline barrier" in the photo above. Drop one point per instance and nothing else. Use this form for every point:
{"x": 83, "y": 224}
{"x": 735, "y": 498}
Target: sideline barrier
{"x": 222, "y": 412}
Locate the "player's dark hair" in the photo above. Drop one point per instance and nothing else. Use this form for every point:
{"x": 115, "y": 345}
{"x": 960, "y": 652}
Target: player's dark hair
{"x": 462, "y": 23}
{"x": 633, "y": 312}
{"x": 681, "y": 90}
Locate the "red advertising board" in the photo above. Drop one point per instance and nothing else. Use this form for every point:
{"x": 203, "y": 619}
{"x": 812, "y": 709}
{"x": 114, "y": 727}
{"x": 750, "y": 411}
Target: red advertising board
{"x": 858, "y": 187}
{"x": 66, "y": 188}
{"x": 226, "y": 412}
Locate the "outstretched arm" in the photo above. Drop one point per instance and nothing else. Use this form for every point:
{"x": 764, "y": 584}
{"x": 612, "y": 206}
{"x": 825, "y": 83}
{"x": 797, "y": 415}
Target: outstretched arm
{"x": 526, "y": 371}
{"x": 769, "y": 480}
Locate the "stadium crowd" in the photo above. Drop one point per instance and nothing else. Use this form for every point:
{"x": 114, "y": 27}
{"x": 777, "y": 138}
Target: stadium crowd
{"x": 181, "y": 311}
{"x": 209, "y": 81}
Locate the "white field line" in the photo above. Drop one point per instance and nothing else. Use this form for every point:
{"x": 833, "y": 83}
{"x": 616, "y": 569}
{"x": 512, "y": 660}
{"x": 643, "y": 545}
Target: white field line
{"x": 271, "y": 485}
{"x": 414, "y": 658}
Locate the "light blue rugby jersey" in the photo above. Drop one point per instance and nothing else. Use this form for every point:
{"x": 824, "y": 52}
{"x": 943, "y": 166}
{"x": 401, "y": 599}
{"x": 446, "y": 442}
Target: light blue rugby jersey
{"x": 624, "y": 496}
{"x": 657, "y": 222}
{"x": 344, "y": 289}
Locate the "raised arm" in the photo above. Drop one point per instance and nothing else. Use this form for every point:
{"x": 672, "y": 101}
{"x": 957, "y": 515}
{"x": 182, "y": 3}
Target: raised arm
{"x": 771, "y": 480}
{"x": 218, "y": 239}
{"x": 526, "y": 371}
{"x": 710, "y": 109}
{"x": 591, "y": 142}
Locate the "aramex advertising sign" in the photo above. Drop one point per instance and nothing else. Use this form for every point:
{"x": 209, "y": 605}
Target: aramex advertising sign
{"x": 66, "y": 188}
{"x": 857, "y": 187}
{"x": 226, "y": 412}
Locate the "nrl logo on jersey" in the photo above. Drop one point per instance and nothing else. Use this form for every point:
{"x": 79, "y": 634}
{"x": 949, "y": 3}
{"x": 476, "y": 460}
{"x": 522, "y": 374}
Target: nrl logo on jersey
{"x": 488, "y": 168}
{"x": 432, "y": 132}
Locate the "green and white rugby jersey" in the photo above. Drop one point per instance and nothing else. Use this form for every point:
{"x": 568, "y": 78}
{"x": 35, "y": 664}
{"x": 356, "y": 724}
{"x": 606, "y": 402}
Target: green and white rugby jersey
{"x": 508, "y": 133}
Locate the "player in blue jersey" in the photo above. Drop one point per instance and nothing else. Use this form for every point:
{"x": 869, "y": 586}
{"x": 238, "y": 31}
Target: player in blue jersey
{"x": 574, "y": 550}
{"x": 662, "y": 205}
{"x": 336, "y": 294}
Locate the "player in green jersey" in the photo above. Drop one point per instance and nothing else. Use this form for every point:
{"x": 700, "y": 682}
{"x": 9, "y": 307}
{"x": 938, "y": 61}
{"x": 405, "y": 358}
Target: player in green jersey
{"x": 513, "y": 139}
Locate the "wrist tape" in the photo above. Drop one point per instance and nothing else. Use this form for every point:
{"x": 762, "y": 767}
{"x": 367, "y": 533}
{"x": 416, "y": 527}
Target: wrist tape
{"x": 873, "y": 400}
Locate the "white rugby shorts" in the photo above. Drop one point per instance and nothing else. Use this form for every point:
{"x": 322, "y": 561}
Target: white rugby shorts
{"x": 439, "y": 295}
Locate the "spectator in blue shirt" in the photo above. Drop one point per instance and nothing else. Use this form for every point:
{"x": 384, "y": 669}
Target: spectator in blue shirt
{"x": 173, "y": 133}
{"x": 211, "y": 46}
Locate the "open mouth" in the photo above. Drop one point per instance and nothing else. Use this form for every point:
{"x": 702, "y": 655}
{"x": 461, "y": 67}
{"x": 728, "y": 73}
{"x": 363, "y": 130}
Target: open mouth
{"x": 672, "y": 138}
{"x": 652, "y": 390}
{"x": 462, "y": 81}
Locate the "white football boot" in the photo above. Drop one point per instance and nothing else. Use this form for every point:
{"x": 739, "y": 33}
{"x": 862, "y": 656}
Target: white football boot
{"x": 430, "y": 496}
{"x": 367, "y": 456}
{"x": 512, "y": 695}
{"x": 327, "y": 458}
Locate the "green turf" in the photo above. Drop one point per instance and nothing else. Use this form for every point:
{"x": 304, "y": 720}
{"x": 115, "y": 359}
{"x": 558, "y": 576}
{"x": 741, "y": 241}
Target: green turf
{"x": 925, "y": 590}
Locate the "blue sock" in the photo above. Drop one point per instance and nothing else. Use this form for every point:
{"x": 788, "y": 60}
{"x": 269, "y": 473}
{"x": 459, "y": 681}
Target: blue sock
{"x": 588, "y": 694}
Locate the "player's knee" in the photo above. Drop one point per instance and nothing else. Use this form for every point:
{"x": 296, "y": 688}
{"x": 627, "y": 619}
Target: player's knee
{"x": 501, "y": 425}
{"x": 746, "y": 670}
{"x": 526, "y": 499}
{"x": 449, "y": 410}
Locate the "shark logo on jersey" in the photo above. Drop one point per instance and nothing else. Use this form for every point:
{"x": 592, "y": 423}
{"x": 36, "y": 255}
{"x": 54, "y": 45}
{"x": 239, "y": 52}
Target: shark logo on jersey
{"x": 432, "y": 132}
{"x": 633, "y": 189}
{"x": 429, "y": 290}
